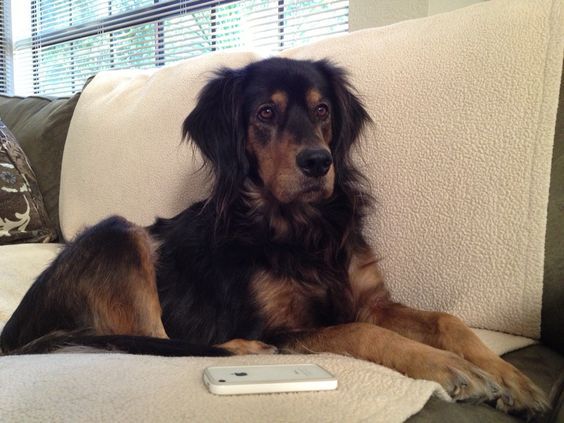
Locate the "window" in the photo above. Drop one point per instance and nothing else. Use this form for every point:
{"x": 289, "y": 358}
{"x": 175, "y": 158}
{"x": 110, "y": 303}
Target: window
{"x": 5, "y": 48}
{"x": 70, "y": 40}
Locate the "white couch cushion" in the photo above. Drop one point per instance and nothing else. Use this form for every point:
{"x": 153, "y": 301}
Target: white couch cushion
{"x": 464, "y": 106}
{"x": 124, "y": 153}
{"x": 20, "y": 264}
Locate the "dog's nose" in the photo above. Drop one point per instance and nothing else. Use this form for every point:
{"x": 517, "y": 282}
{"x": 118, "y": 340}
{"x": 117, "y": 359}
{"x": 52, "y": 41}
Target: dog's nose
{"x": 314, "y": 162}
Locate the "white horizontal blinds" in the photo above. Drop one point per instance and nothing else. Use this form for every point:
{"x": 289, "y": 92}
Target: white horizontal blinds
{"x": 74, "y": 39}
{"x": 5, "y": 49}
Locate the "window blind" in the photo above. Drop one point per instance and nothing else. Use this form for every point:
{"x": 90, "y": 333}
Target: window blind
{"x": 5, "y": 48}
{"x": 71, "y": 40}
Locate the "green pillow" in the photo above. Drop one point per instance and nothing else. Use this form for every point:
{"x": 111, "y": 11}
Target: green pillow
{"x": 40, "y": 125}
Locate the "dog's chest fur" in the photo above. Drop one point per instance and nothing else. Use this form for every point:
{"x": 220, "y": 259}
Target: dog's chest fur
{"x": 285, "y": 303}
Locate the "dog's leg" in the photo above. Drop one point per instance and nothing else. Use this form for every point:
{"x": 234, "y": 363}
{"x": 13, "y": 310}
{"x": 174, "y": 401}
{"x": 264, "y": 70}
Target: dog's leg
{"x": 438, "y": 330}
{"x": 123, "y": 298}
{"x": 460, "y": 378}
{"x": 447, "y": 332}
{"x": 102, "y": 282}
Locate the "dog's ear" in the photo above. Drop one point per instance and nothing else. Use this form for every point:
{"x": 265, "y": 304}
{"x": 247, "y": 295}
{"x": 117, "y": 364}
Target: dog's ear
{"x": 350, "y": 115}
{"x": 216, "y": 127}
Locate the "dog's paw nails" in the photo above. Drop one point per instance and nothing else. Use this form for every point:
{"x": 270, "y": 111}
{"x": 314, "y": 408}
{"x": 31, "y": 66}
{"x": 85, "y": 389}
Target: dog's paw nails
{"x": 529, "y": 401}
{"x": 520, "y": 396}
{"x": 506, "y": 399}
{"x": 470, "y": 384}
{"x": 462, "y": 380}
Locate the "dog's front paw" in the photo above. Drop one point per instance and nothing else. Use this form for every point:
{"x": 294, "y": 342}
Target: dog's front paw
{"x": 245, "y": 346}
{"x": 520, "y": 395}
{"x": 462, "y": 380}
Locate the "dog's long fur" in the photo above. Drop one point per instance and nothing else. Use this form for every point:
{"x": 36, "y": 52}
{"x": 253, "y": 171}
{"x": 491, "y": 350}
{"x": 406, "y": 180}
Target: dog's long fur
{"x": 275, "y": 255}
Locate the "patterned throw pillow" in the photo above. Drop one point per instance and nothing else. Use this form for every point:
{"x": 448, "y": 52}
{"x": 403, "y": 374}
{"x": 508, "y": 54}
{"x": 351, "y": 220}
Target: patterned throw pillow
{"x": 22, "y": 213}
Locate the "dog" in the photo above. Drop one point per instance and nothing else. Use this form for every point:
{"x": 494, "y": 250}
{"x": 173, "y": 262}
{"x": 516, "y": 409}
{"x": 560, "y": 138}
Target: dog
{"x": 274, "y": 260}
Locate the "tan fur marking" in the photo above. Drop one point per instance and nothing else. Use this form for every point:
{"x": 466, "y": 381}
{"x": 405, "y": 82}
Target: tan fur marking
{"x": 278, "y": 169}
{"x": 367, "y": 286}
{"x": 149, "y": 315}
{"x": 277, "y": 163}
{"x": 245, "y": 346}
{"x": 284, "y": 303}
{"x": 313, "y": 97}
{"x": 280, "y": 98}
{"x": 363, "y": 272}
{"x": 127, "y": 301}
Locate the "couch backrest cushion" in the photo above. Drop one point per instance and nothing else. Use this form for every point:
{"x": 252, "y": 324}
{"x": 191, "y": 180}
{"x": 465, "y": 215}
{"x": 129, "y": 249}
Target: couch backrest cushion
{"x": 124, "y": 153}
{"x": 464, "y": 107}
{"x": 40, "y": 125}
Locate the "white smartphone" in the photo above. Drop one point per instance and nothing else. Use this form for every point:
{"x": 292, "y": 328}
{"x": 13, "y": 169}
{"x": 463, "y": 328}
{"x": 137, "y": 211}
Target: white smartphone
{"x": 237, "y": 380}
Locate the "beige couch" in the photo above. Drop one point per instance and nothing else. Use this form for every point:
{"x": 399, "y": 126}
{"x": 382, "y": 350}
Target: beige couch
{"x": 459, "y": 159}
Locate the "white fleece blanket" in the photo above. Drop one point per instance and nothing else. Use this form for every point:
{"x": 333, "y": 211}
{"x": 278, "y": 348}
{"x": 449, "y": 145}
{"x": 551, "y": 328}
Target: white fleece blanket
{"x": 119, "y": 388}
{"x": 464, "y": 107}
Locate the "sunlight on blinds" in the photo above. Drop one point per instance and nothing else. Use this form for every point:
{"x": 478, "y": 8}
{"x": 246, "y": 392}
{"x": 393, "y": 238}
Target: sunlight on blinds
{"x": 71, "y": 40}
{"x": 5, "y": 49}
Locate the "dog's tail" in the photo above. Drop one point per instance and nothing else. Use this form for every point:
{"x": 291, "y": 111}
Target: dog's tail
{"x": 84, "y": 339}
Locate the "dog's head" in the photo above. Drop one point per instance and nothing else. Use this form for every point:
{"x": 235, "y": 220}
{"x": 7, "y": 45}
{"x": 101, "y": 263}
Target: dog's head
{"x": 286, "y": 125}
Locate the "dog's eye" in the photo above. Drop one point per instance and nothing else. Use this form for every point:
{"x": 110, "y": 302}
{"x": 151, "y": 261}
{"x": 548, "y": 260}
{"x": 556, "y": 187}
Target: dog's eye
{"x": 322, "y": 111}
{"x": 266, "y": 113}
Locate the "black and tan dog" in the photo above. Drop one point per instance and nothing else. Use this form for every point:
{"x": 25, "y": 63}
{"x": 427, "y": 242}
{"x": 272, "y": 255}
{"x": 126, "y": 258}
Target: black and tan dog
{"x": 275, "y": 255}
